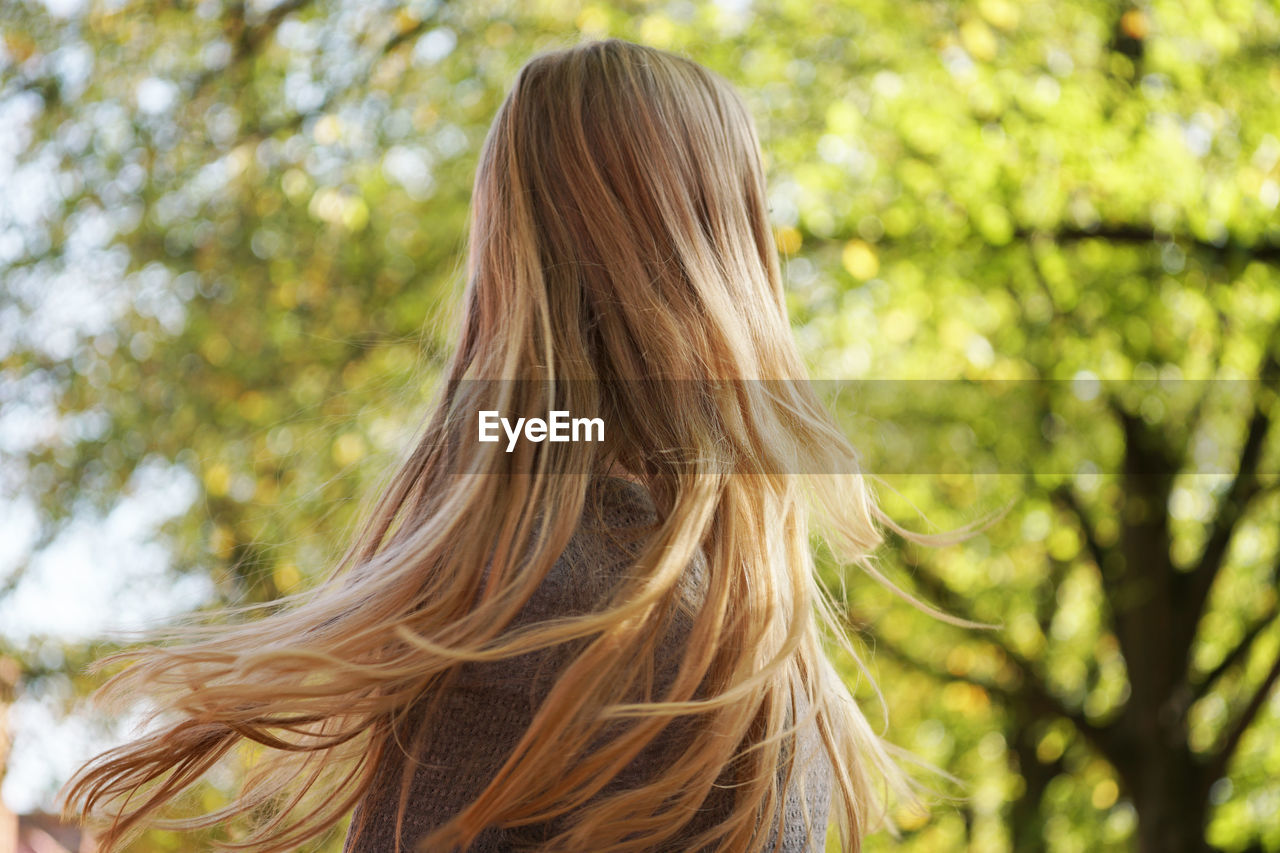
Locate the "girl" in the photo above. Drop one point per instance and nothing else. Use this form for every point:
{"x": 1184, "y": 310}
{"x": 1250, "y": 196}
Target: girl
{"x": 614, "y": 644}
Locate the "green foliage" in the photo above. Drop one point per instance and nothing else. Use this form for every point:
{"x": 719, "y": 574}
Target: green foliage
{"x": 237, "y": 246}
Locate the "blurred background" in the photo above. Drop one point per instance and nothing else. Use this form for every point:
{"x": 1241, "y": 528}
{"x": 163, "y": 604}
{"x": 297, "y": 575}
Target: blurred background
{"x": 230, "y": 243}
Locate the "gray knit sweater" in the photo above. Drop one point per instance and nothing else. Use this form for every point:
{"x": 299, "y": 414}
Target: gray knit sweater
{"x": 489, "y": 706}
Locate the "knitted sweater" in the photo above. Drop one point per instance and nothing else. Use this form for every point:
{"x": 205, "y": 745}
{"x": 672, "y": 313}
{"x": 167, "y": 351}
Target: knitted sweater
{"x": 489, "y": 706}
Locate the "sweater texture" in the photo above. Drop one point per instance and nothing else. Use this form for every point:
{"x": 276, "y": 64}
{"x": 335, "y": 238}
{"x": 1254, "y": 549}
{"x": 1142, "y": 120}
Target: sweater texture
{"x": 486, "y": 708}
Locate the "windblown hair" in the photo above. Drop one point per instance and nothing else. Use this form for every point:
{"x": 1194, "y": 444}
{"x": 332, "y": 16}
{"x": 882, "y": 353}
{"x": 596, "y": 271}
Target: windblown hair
{"x": 621, "y": 265}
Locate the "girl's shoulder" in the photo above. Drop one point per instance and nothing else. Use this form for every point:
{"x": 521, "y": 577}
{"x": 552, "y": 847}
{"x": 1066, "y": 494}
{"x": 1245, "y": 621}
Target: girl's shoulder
{"x": 618, "y": 520}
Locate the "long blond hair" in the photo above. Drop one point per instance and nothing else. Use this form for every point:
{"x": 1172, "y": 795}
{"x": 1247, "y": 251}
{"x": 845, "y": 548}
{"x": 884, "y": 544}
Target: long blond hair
{"x": 621, "y": 265}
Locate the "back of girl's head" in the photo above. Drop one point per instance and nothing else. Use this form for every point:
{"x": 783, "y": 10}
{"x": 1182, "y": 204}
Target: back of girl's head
{"x": 629, "y": 180}
{"x": 620, "y": 235}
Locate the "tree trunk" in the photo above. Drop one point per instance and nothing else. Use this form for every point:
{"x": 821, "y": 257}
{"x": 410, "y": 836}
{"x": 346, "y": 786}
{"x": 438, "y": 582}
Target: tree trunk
{"x": 1171, "y": 804}
{"x": 1152, "y": 754}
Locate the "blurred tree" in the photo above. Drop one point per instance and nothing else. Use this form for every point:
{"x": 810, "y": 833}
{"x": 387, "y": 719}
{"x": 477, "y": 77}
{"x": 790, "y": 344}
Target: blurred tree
{"x": 230, "y": 239}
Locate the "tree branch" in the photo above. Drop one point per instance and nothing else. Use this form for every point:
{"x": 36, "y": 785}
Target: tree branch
{"x": 1030, "y": 692}
{"x": 1134, "y": 234}
{"x": 1244, "y": 488}
{"x": 1227, "y": 748}
{"x": 416, "y": 29}
{"x": 245, "y": 38}
{"x": 1237, "y": 653}
{"x": 941, "y": 673}
{"x": 1138, "y": 234}
{"x": 1034, "y": 688}
{"x": 382, "y": 50}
